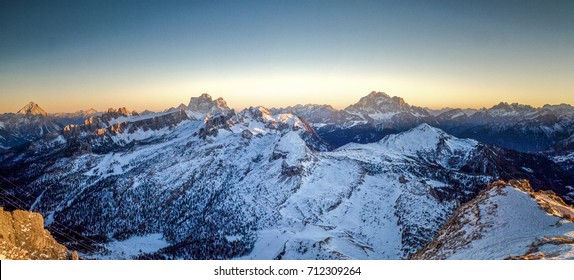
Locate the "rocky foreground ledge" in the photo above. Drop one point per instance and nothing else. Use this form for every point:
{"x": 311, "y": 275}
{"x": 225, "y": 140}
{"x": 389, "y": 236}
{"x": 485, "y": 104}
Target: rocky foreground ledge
{"x": 23, "y": 237}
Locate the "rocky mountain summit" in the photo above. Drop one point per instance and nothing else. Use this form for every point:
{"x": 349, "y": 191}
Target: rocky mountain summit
{"x": 23, "y": 237}
{"x": 380, "y": 107}
{"x": 32, "y": 109}
{"x": 376, "y": 107}
{"x": 204, "y": 104}
{"x": 369, "y": 120}
{"x": 28, "y": 124}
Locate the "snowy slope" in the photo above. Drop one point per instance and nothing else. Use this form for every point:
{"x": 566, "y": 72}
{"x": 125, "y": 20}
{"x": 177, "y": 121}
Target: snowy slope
{"x": 507, "y": 221}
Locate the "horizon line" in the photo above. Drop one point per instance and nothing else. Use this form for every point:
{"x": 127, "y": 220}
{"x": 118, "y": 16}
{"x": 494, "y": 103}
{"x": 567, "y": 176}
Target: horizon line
{"x": 238, "y": 108}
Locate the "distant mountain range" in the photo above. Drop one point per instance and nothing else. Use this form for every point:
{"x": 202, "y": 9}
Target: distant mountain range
{"x": 513, "y": 126}
{"x": 380, "y": 179}
{"x": 32, "y": 123}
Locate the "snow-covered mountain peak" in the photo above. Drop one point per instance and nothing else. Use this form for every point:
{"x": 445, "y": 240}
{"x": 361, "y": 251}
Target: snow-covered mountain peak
{"x": 259, "y": 113}
{"x": 260, "y": 120}
{"x": 425, "y": 138}
{"x": 32, "y": 109}
{"x": 423, "y": 134}
{"x": 427, "y": 128}
{"x": 423, "y": 142}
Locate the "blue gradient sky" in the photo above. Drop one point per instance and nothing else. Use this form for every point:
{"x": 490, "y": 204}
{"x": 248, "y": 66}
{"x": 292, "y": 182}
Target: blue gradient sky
{"x": 70, "y": 55}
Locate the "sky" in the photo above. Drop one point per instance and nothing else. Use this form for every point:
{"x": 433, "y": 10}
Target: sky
{"x": 72, "y": 55}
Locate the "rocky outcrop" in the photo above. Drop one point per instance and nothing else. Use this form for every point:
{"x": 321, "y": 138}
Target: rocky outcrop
{"x": 159, "y": 122}
{"x": 101, "y": 126}
{"x": 212, "y": 125}
{"x": 123, "y": 111}
{"x": 95, "y": 123}
{"x": 290, "y": 171}
{"x": 23, "y": 237}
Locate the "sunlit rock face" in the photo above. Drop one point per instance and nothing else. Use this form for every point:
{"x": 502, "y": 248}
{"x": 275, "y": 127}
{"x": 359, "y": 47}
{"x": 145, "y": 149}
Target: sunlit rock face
{"x": 23, "y": 237}
{"x": 205, "y": 105}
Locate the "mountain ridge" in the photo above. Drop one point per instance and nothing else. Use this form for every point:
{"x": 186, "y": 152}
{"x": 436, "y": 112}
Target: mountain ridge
{"x": 488, "y": 228}
{"x": 369, "y": 120}
{"x": 202, "y": 181}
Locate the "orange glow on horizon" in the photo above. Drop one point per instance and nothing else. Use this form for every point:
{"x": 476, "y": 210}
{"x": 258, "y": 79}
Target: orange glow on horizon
{"x": 337, "y": 90}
